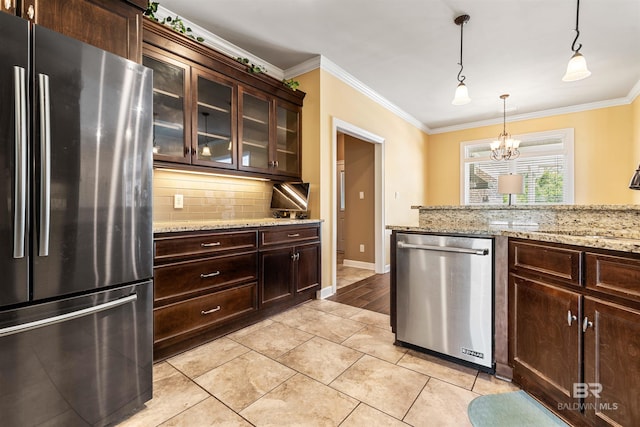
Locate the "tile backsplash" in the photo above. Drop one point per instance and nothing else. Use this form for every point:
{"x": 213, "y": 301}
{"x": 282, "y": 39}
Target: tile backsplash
{"x": 209, "y": 197}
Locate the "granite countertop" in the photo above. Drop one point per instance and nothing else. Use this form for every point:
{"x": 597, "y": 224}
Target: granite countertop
{"x": 177, "y": 226}
{"x": 624, "y": 242}
{"x": 529, "y": 207}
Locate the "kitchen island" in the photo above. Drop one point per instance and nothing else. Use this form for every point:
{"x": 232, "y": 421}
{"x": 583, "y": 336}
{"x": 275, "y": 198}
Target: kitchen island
{"x": 566, "y": 298}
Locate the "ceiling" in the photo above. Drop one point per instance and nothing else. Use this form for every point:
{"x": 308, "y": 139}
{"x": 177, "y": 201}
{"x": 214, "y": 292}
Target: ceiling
{"x": 407, "y": 51}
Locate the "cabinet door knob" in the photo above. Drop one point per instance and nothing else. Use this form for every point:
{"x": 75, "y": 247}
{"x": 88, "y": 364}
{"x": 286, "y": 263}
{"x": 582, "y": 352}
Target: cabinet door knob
{"x": 207, "y": 275}
{"x": 31, "y": 12}
{"x": 213, "y": 310}
{"x": 586, "y": 324}
{"x": 571, "y": 318}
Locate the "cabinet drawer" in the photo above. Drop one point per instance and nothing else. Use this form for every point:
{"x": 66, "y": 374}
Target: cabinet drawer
{"x": 614, "y": 275}
{"x": 188, "y": 246}
{"x": 178, "y": 279}
{"x": 279, "y": 236}
{"x": 204, "y": 311}
{"x": 550, "y": 261}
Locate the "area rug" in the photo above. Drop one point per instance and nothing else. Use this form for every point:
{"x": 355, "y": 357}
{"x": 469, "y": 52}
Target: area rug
{"x": 516, "y": 408}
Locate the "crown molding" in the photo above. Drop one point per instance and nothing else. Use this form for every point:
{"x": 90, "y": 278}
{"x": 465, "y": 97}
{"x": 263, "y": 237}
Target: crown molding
{"x": 634, "y": 92}
{"x": 334, "y": 69}
{"x": 218, "y": 43}
{"x": 303, "y": 67}
{"x": 536, "y": 115}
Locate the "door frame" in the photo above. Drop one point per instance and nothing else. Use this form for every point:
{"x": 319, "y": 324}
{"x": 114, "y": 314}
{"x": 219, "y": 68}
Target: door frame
{"x": 338, "y": 125}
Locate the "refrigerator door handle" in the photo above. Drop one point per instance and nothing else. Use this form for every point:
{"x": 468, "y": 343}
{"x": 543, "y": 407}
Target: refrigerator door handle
{"x": 20, "y": 178}
{"x": 67, "y": 316}
{"x": 45, "y": 164}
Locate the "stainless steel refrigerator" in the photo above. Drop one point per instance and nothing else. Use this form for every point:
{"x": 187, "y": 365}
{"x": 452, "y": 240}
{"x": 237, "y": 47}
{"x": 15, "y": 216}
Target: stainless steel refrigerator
{"x": 75, "y": 230}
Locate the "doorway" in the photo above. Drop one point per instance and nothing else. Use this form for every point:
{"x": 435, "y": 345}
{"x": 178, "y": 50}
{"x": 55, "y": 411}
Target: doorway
{"x": 340, "y": 126}
{"x": 355, "y": 209}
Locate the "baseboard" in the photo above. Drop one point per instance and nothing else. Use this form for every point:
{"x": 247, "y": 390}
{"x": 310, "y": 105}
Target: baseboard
{"x": 359, "y": 264}
{"x": 324, "y": 292}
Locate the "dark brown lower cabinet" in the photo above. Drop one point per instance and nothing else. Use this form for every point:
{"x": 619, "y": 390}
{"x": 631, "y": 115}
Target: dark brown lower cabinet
{"x": 210, "y": 283}
{"x": 575, "y": 344}
{"x": 276, "y": 282}
{"x": 286, "y": 272}
{"x": 546, "y": 340}
{"x": 612, "y": 363}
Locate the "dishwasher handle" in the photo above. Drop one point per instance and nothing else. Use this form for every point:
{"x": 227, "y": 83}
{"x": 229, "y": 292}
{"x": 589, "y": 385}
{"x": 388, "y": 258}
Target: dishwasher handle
{"x": 404, "y": 245}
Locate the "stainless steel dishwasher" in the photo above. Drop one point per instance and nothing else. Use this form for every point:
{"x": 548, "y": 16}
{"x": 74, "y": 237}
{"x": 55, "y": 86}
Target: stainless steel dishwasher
{"x": 444, "y": 295}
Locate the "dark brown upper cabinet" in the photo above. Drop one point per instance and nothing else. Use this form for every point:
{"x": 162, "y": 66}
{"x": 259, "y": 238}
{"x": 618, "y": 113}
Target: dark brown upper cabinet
{"x": 112, "y": 25}
{"x": 210, "y": 112}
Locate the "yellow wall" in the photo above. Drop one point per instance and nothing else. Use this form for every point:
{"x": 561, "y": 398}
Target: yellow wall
{"x": 405, "y": 154}
{"x": 603, "y": 146}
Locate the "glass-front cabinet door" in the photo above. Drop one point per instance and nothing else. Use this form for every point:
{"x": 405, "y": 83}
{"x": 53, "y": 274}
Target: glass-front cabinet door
{"x": 287, "y": 148}
{"x": 170, "y": 80}
{"x": 254, "y": 131}
{"x": 214, "y": 140}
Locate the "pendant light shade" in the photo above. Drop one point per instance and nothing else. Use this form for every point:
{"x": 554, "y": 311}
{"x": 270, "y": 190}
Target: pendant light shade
{"x": 635, "y": 180}
{"x": 577, "y": 67}
{"x": 461, "y": 96}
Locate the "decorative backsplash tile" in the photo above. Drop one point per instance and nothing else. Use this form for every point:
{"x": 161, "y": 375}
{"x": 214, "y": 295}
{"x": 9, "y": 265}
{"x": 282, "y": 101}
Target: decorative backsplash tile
{"x": 209, "y": 197}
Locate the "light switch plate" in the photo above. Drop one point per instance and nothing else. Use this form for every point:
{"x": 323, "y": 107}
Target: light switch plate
{"x": 362, "y": 194}
{"x": 361, "y": 248}
{"x": 178, "y": 201}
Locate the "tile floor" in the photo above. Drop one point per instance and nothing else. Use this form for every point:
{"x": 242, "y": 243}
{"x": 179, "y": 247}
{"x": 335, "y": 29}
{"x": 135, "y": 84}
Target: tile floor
{"x": 320, "y": 364}
{"x": 348, "y": 275}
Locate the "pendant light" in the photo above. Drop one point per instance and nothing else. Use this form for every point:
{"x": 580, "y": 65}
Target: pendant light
{"x": 462, "y": 94}
{"x": 206, "y": 151}
{"x": 635, "y": 180}
{"x": 505, "y": 147}
{"x": 577, "y": 67}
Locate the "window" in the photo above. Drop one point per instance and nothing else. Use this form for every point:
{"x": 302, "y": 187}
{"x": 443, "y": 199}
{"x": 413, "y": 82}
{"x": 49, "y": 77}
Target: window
{"x": 545, "y": 162}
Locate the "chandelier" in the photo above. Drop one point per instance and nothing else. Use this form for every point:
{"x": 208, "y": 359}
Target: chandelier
{"x": 505, "y": 147}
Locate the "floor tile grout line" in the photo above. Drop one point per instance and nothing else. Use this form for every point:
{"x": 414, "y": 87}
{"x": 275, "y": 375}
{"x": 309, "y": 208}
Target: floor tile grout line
{"x": 415, "y": 400}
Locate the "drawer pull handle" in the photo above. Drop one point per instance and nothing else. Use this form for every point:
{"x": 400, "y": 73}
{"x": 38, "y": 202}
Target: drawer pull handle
{"x": 213, "y": 310}
{"x": 293, "y": 235}
{"x": 208, "y": 245}
{"x": 571, "y": 318}
{"x": 586, "y": 324}
{"x": 207, "y": 275}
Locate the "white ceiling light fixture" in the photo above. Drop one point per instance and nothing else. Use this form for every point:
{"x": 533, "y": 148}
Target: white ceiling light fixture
{"x": 462, "y": 93}
{"x": 505, "y": 147}
{"x": 577, "y": 67}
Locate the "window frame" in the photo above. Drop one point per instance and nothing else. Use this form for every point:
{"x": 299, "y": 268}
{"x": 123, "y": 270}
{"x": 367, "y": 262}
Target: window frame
{"x": 567, "y": 137}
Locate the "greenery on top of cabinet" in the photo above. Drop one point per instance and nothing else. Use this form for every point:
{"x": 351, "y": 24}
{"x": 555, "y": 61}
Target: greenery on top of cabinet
{"x": 177, "y": 24}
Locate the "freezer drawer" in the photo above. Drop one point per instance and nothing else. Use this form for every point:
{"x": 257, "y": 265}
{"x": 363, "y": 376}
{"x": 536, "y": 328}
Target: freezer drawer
{"x": 445, "y": 295}
{"x": 78, "y": 361}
